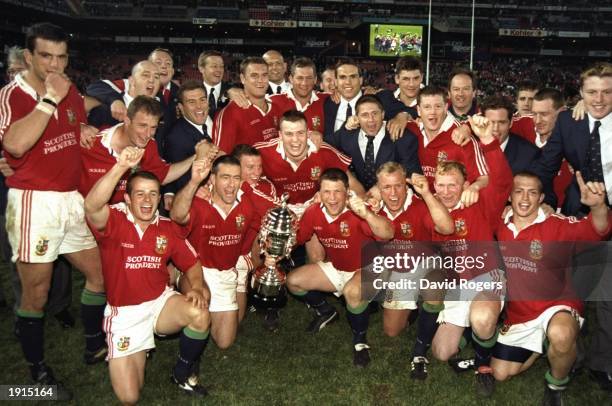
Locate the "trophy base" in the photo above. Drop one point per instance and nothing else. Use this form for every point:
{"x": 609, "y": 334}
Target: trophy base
{"x": 266, "y": 292}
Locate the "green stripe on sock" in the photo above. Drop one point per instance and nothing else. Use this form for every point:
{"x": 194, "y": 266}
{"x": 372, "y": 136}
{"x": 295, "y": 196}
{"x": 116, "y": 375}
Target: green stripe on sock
{"x": 300, "y": 293}
{"x": 488, "y": 343}
{"x": 195, "y": 335}
{"x": 93, "y": 298}
{"x": 359, "y": 309}
{"x": 433, "y": 308}
{"x": 32, "y": 315}
{"x": 557, "y": 382}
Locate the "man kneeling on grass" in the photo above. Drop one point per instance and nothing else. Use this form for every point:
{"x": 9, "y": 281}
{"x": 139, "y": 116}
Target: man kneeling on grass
{"x": 136, "y": 244}
{"x": 342, "y": 225}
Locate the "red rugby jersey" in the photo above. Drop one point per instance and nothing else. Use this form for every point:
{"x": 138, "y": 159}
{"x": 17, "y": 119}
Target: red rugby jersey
{"x": 219, "y": 239}
{"x": 342, "y": 237}
{"x": 54, "y": 162}
{"x": 442, "y": 148}
{"x": 315, "y": 117}
{"x": 300, "y": 183}
{"x": 234, "y": 125}
{"x": 133, "y": 262}
{"x": 100, "y": 158}
{"x": 538, "y": 263}
{"x": 477, "y": 223}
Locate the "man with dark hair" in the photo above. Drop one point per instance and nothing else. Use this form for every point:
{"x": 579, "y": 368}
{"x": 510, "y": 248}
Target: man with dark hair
{"x": 543, "y": 306}
{"x": 370, "y": 145}
{"x": 342, "y": 223}
{"x": 234, "y": 125}
{"x": 462, "y": 93}
{"x": 525, "y": 91}
{"x": 294, "y": 165}
{"x": 219, "y": 228}
{"x": 136, "y": 245}
{"x": 349, "y": 80}
{"x": 302, "y": 97}
{"x": 434, "y": 134}
{"x": 187, "y": 132}
{"x": 212, "y": 68}
{"x": 40, "y": 128}
{"x": 137, "y": 129}
{"x": 328, "y": 81}
{"x": 519, "y": 152}
{"x": 409, "y": 80}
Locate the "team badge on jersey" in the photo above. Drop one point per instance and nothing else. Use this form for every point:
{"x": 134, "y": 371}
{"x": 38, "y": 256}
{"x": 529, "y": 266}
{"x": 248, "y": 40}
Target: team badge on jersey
{"x": 316, "y": 123}
{"x": 240, "y": 222}
{"x": 460, "y": 227}
{"x": 123, "y": 344}
{"x": 71, "y": 117}
{"x": 406, "y": 230}
{"x": 442, "y": 156}
{"x": 536, "y": 249}
{"x": 42, "y": 246}
{"x": 345, "y": 230}
{"x": 315, "y": 172}
{"x": 161, "y": 244}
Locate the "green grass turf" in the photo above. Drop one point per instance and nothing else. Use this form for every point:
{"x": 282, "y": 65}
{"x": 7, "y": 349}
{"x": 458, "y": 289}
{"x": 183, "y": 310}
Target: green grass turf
{"x": 382, "y": 30}
{"x": 289, "y": 367}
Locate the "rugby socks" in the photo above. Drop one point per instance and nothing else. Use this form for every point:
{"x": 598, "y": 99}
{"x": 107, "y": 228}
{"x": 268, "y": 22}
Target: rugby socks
{"x": 483, "y": 349}
{"x": 358, "y": 318}
{"x": 427, "y": 325}
{"x": 191, "y": 346}
{"x": 31, "y": 337}
{"x": 554, "y": 383}
{"x": 316, "y": 300}
{"x": 92, "y": 314}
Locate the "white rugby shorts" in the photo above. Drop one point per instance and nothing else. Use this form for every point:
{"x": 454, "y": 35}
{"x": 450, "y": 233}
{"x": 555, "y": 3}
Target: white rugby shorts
{"x": 130, "y": 329}
{"x": 44, "y": 224}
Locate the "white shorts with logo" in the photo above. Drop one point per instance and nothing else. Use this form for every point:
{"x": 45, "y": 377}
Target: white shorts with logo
{"x": 405, "y": 298}
{"x": 43, "y": 224}
{"x": 130, "y": 329}
{"x": 338, "y": 278}
{"x": 223, "y": 286}
{"x": 457, "y": 310}
{"x": 531, "y": 334}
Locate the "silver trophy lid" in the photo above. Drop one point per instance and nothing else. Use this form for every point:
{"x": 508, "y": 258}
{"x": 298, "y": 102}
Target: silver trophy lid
{"x": 281, "y": 220}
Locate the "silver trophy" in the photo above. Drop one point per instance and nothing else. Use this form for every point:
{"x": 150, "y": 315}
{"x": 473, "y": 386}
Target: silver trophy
{"x": 276, "y": 238}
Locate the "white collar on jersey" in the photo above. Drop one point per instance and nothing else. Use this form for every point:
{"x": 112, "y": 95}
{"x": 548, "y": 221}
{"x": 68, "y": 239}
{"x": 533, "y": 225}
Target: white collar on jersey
{"x": 312, "y": 148}
{"x": 329, "y": 218}
{"x": 123, "y": 207}
{"x": 407, "y": 203}
{"x": 313, "y": 98}
{"x": 25, "y": 86}
{"x": 540, "y": 218}
{"x": 220, "y": 210}
{"x": 446, "y": 125}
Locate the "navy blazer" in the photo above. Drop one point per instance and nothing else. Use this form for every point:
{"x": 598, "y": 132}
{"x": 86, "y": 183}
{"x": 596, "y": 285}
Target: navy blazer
{"x": 391, "y": 105}
{"x": 570, "y": 140}
{"x": 520, "y": 153}
{"x": 222, "y": 101}
{"x": 404, "y": 151}
{"x": 180, "y": 145}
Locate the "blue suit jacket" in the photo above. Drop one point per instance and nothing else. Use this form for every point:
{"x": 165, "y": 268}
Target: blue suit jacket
{"x": 404, "y": 151}
{"x": 180, "y": 145}
{"x": 391, "y": 105}
{"x": 520, "y": 153}
{"x": 570, "y": 140}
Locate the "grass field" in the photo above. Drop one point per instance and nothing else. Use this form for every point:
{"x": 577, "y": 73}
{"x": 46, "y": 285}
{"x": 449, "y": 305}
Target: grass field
{"x": 283, "y": 368}
{"x": 392, "y": 30}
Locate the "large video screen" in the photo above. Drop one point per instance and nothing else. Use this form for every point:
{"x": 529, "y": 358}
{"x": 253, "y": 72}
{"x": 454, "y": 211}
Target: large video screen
{"x": 396, "y": 40}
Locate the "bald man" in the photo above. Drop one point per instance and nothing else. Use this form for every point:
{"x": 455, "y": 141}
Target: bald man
{"x": 277, "y": 68}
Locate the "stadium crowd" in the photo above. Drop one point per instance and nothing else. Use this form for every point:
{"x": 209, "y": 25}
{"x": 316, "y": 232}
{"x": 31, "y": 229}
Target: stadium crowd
{"x": 156, "y": 190}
